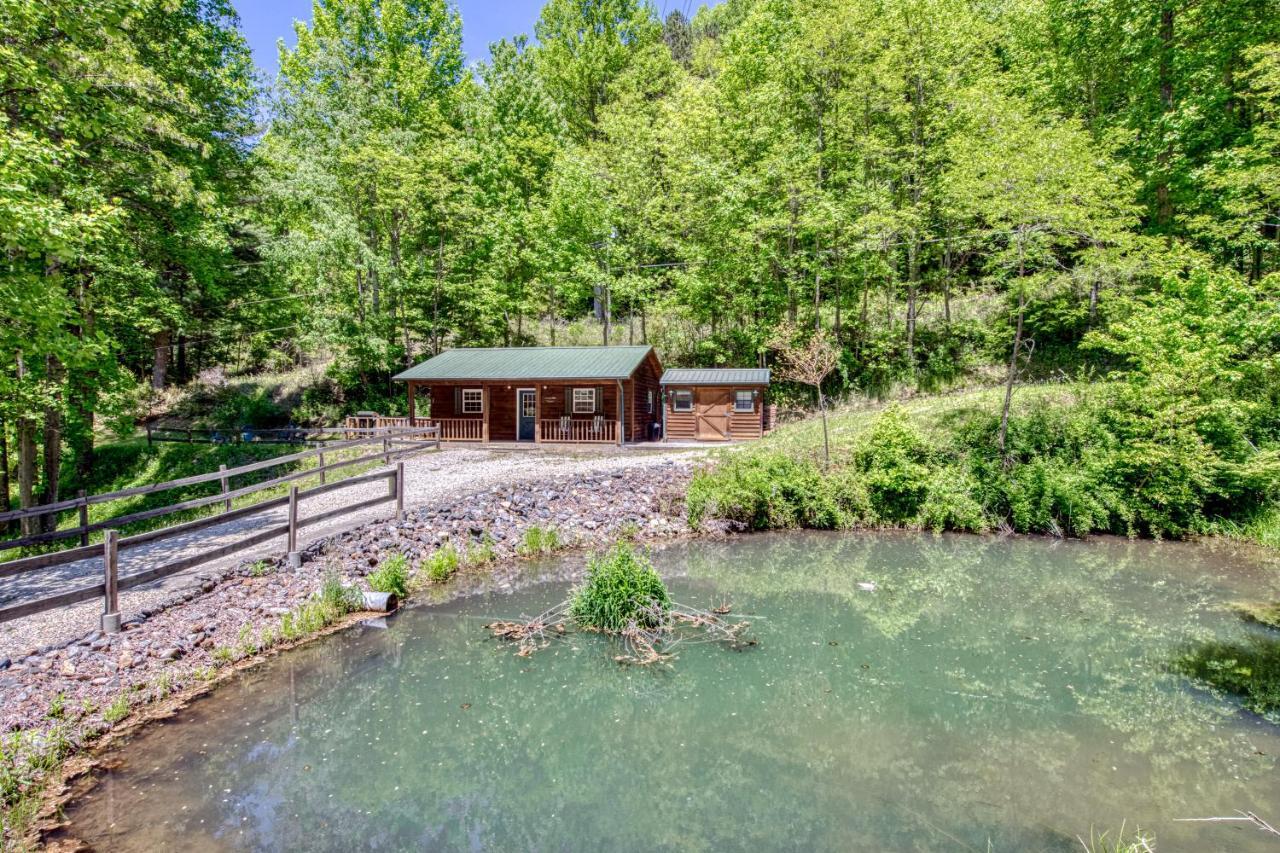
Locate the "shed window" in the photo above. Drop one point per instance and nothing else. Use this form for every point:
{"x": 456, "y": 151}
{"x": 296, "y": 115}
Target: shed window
{"x": 584, "y": 401}
{"x": 744, "y": 401}
{"x": 472, "y": 401}
{"x": 648, "y": 408}
{"x": 682, "y": 401}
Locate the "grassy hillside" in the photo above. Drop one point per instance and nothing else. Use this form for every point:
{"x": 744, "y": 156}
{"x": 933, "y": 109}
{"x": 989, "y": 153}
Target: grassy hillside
{"x": 1077, "y": 462}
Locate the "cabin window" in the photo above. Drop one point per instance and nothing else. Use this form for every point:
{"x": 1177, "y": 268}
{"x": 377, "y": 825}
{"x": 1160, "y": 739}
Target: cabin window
{"x": 649, "y": 405}
{"x": 744, "y": 401}
{"x": 584, "y": 401}
{"x": 472, "y": 401}
{"x": 682, "y": 401}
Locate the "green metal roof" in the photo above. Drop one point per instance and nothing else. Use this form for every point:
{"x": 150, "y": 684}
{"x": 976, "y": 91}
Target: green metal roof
{"x": 716, "y": 376}
{"x": 515, "y": 363}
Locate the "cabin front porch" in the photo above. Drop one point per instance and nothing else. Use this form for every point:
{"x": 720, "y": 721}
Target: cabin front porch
{"x": 537, "y": 413}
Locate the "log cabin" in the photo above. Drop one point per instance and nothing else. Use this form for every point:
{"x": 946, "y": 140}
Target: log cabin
{"x": 538, "y": 395}
{"x": 715, "y": 404}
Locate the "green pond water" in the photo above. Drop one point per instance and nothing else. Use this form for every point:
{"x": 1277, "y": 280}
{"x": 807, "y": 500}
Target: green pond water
{"x": 989, "y": 694}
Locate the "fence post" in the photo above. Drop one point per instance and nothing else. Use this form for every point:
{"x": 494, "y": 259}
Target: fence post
{"x": 111, "y": 593}
{"x": 386, "y": 450}
{"x": 84, "y": 518}
{"x": 399, "y": 491}
{"x": 148, "y": 432}
{"x": 295, "y": 559}
{"x": 226, "y": 487}
{"x": 320, "y": 456}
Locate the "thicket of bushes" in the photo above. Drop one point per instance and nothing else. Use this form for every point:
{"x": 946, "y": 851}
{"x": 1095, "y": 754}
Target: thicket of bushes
{"x": 1184, "y": 439}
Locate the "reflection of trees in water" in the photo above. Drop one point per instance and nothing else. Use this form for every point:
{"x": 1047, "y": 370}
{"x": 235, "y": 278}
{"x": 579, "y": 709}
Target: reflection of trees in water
{"x": 1004, "y": 680}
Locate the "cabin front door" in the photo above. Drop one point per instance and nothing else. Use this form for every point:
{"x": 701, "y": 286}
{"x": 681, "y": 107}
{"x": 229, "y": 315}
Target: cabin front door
{"x": 527, "y": 413}
{"x": 711, "y": 413}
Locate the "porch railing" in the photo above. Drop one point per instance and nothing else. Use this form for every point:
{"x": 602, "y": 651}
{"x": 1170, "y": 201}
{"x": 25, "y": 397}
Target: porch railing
{"x": 450, "y": 429}
{"x": 578, "y": 431}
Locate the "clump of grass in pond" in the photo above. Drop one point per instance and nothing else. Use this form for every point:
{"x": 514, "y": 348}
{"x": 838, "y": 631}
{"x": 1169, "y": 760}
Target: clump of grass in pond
{"x": 1123, "y": 842}
{"x": 442, "y": 563}
{"x": 621, "y": 588}
{"x": 1250, "y": 670}
{"x": 539, "y": 540}
{"x": 623, "y": 597}
{"x": 391, "y": 576}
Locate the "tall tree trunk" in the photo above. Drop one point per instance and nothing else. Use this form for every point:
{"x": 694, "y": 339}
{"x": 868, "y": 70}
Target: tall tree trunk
{"x": 826, "y": 440}
{"x": 6, "y": 484}
{"x": 26, "y": 434}
{"x": 435, "y": 300}
{"x": 55, "y": 373}
{"x": 1013, "y": 356}
{"x": 181, "y": 367}
{"x": 1164, "y": 160}
{"x": 82, "y": 391}
{"x": 160, "y": 366}
{"x": 793, "y": 205}
{"x": 913, "y": 286}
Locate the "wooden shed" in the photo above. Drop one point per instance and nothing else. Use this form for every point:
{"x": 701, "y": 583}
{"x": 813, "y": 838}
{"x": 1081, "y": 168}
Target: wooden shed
{"x": 538, "y": 394}
{"x": 715, "y": 404}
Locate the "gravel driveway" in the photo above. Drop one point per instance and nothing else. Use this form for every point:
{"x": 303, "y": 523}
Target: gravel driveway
{"x": 429, "y": 478}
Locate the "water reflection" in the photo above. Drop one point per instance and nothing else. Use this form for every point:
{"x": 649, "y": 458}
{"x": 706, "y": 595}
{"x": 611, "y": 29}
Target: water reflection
{"x": 1002, "y": 692}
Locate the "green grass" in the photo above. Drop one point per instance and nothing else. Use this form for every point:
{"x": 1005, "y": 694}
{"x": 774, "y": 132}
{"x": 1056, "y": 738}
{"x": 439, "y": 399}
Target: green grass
{"x": 539, "y": 540}
{"x": 391, "y": 576}
{"x": 442, "y": 563}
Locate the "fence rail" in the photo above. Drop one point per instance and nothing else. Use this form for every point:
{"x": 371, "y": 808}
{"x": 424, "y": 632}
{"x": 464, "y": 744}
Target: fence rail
{"x": 394, "y": 445}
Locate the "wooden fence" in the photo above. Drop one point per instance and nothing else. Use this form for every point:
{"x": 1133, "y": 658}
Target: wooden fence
{"x": 392, "y": 444}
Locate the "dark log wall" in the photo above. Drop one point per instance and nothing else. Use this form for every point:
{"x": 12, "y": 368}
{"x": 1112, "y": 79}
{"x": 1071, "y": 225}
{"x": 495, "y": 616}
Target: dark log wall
{"x": 641, "y": 417}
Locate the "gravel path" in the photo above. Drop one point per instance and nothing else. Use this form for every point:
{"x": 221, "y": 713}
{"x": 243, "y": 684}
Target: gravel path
{"x": 429, "y": 478}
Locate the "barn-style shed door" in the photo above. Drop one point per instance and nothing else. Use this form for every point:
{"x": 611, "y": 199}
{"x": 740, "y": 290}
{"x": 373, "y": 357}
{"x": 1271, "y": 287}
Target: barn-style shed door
{"x": 711, "y": 413}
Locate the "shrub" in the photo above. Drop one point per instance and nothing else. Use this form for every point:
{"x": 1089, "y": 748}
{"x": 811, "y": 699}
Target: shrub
{"x": 950, "y": 504}
{"x": 762, "y": 491}
{"x": 442, "y": 563}
{"x": 893, "y": 459}
{"x": 621, "y": 587}
{"x": 391, "y": 576}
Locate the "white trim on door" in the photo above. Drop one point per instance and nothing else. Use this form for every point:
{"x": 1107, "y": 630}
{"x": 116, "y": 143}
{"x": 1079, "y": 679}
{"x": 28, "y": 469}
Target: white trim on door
{"x": 534, "y": 391}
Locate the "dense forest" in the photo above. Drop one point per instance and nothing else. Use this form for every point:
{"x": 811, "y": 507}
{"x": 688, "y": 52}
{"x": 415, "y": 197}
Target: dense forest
{"x": 952, "y": 191}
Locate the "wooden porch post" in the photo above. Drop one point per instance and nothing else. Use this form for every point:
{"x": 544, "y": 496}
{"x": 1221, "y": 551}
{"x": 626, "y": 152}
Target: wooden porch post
{"x": 484, "y": 404}
{"x": 412, "y": 406}
{"x": 537, "y": 413}
{"x": 620, "y": 411}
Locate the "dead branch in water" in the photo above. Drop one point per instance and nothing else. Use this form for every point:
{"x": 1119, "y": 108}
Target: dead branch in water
{"x": 650, "y": 638}
{"x": 1244, "y": 817}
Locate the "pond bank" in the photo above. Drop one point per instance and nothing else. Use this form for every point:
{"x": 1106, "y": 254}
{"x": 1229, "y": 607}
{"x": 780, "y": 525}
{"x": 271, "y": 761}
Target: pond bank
{"x": 63, "y": 698}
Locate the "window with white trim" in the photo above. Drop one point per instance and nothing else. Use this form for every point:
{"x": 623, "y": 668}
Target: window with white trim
{"x": 584, "y": 401}
{"x": 648, "y": 409}
{"x": 744, "y": 401}
{"x": 682, "y": 401}
{"x": 472, "y": 401}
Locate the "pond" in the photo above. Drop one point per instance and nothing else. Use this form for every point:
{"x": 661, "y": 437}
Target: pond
{"x": 988, "y": 694}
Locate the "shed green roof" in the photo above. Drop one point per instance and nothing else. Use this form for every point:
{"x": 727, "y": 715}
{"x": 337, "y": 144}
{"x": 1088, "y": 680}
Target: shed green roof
{"x": 516, "y": 363}
{"x": 716, "y": 376}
